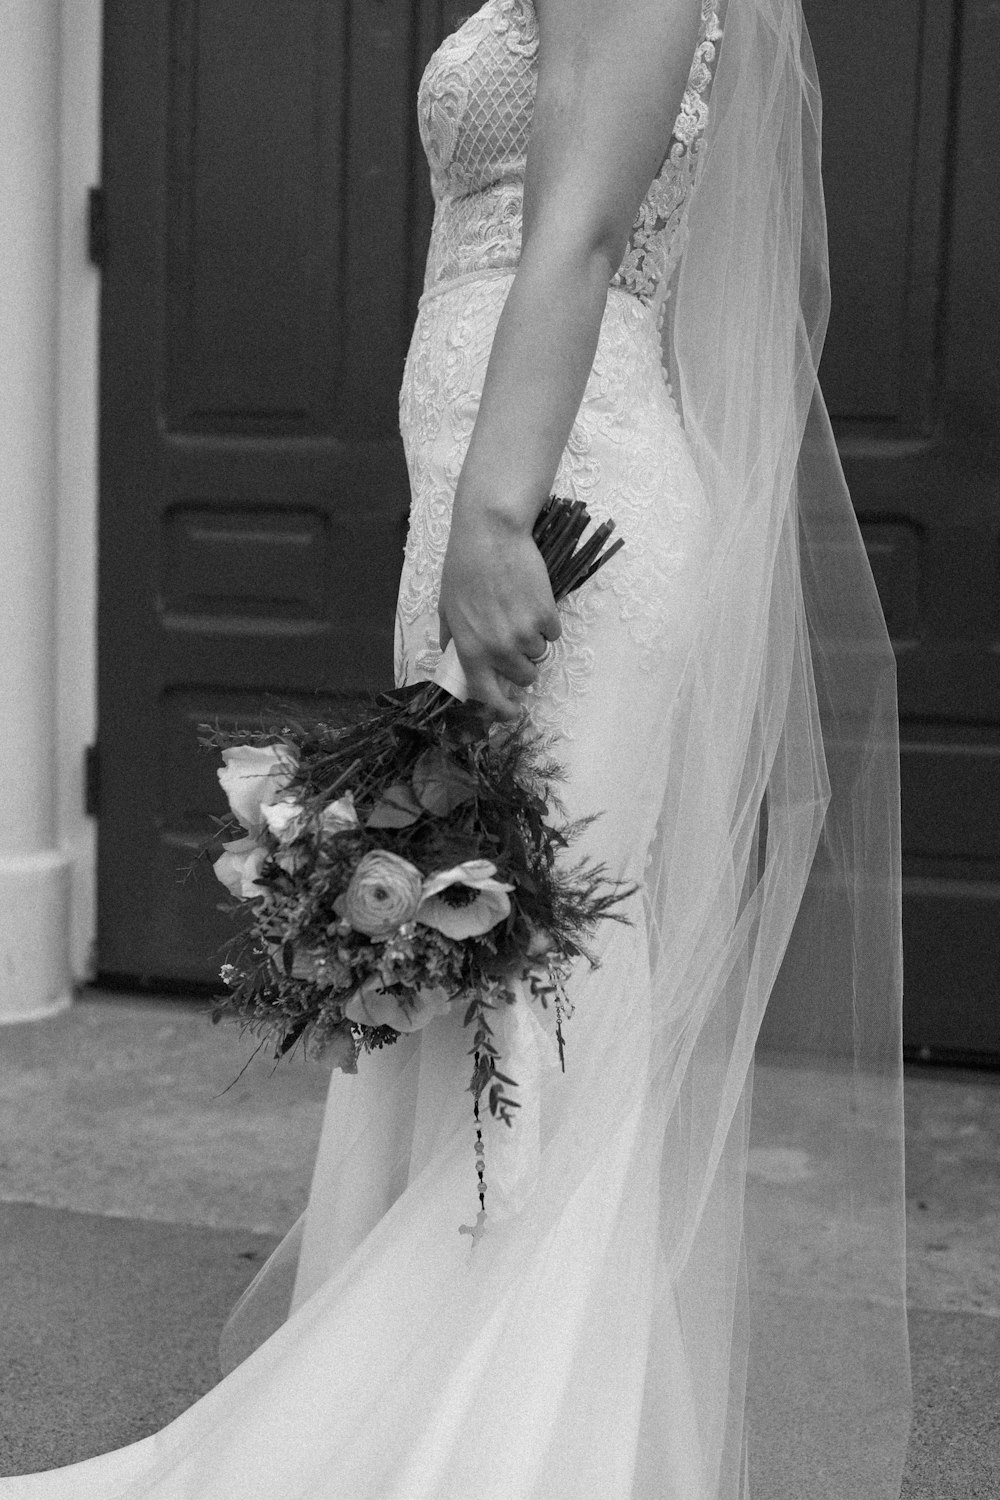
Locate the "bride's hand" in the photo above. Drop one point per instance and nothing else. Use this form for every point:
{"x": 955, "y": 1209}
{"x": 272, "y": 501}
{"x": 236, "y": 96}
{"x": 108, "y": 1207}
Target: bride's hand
{"x": 496, "y": 603}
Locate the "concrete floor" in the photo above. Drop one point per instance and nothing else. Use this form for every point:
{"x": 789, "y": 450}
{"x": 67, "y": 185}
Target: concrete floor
{"x": 131, "y": 1139}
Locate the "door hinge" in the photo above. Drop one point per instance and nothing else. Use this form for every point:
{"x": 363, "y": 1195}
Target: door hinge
{"x": 91, "y": 781}
{"x": 97, "y": 227}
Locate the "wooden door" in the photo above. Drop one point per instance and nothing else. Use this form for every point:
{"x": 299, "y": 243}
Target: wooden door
{"x": 264, "y": 240}
{"x": 911, "y": 375}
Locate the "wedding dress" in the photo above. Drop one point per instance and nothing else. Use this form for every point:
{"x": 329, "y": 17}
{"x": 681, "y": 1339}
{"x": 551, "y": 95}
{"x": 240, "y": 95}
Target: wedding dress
{"x": 667, "y": 1302}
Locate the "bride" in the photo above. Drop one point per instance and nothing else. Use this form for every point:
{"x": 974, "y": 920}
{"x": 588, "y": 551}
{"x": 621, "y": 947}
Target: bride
{"x": 690, "y": 1284}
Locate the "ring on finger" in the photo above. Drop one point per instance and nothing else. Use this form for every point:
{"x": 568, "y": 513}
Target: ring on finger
{"x": 543, "y": 656}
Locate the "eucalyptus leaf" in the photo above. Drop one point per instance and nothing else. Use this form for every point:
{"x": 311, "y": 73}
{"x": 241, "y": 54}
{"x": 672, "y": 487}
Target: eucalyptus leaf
{"x": 440, "y": 783}
{"x": 397, "y": 808}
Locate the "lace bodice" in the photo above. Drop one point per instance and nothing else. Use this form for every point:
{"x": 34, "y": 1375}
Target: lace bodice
{"x": 475, "y": 106}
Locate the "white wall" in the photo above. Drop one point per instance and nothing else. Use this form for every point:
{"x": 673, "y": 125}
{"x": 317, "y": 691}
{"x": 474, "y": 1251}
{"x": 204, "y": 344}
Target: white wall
{"x": 76, "y": 616}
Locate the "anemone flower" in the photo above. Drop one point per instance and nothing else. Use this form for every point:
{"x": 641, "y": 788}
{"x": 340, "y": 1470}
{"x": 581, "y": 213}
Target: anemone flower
{"x": 465, "y": 901}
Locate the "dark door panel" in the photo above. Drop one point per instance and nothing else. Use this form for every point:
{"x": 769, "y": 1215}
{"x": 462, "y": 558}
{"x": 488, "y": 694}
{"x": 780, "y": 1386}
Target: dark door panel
{"x": 911, "y": 140}
{"x": 258, "y": 295}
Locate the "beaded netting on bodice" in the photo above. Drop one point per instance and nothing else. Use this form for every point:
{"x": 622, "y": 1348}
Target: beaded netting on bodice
{"x": 475, "y": 106}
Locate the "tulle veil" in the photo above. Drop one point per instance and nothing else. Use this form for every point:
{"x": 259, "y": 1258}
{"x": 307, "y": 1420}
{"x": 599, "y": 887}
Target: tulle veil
{"x": 772, "y": 1077}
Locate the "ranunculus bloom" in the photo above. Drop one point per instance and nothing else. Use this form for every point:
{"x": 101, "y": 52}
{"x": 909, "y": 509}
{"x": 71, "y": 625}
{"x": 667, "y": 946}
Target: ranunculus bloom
{"x": 339, "y": 816}
{"x": 284, "y": 819}
{"x": 239, "y": 867}
{"x": 384, "y": 891}
{"x": 465, "y": 901}
{"x": 254, "y": 776}
{"x": 371, "y": 1005}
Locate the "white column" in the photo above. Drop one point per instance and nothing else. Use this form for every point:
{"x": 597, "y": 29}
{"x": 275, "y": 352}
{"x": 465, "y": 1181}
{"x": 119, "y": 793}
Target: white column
{"x": 34, "y": 874}
{"x": 76, "y": 590}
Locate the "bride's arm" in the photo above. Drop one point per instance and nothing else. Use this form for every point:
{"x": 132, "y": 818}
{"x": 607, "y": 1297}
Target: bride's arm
{"x": 610, "y": 82}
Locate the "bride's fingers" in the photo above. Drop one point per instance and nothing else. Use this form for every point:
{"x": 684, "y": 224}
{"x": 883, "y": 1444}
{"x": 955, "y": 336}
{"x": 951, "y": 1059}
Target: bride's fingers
{"x": 504, "y": 674}
{"x": 517, "y": 669}
{"x": 508, "y": 663}
{"x": 551, "y": 625}
{"x": 497, "y": 681}
{"x": 498, "y": 694}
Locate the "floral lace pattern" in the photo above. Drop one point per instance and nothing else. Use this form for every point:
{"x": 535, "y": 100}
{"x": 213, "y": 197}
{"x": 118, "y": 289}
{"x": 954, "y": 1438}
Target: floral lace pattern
{"x": 475, "y": 105}
{"x": 659, "y": 232}
{"x": 627, "y": 455}
{"x": 627, "y": 458}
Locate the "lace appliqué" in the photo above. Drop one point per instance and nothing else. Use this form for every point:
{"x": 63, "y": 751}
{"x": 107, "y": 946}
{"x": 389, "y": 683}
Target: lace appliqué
{"x": 658, "y": 235}
{"x": 627, "y": 458}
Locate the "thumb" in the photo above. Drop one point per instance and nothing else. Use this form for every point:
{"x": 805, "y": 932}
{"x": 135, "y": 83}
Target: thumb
{"x": 551, "y": 625}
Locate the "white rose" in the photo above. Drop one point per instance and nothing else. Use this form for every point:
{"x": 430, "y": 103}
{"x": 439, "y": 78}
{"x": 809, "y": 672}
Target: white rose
{"x": 254, "y": 776}
{"x": 284, "y": 819}
{"x": 465, "y": 901}
{"x": 339, "y": 816}
{"x": 239, "y": 867}
{"x": 291, "y": 861}
{"x": 371, "y": 1005}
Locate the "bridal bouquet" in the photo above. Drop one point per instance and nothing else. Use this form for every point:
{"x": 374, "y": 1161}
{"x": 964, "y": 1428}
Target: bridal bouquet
{"x": 404, "y": 863}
